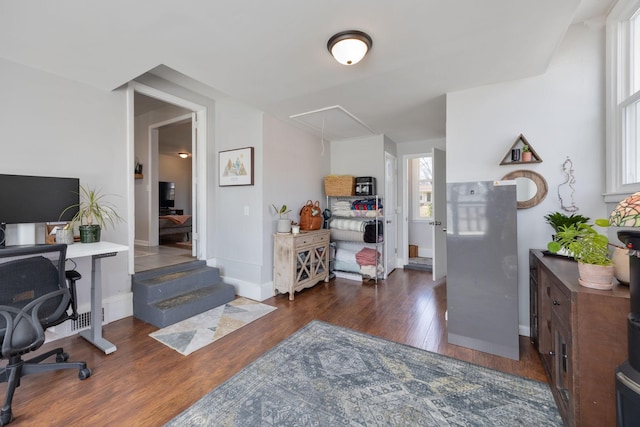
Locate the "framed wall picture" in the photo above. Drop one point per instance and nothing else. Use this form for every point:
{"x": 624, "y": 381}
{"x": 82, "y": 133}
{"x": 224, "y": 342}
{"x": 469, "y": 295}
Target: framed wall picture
{"x": 236, "y": 167}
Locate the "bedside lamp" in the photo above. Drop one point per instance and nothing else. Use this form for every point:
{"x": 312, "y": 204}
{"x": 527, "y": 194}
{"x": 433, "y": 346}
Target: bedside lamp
{"x": 627, "y": 214}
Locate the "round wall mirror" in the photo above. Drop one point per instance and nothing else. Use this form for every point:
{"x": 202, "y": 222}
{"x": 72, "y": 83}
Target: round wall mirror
{"x": 531, "y": 187}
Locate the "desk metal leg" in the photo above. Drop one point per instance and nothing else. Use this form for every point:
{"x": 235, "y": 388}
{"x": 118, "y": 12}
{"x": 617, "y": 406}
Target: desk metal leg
{"x": 94, "y": 335}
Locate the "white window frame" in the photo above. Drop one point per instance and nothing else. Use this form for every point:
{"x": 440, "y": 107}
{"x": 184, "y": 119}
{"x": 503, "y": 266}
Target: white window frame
{"x": 618, "y": 78}
{"x": 415, "y": 190}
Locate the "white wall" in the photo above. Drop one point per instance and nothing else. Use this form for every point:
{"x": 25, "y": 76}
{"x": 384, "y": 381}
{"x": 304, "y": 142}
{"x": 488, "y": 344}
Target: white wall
{"x": 360, "y": 157}
{"x": 51, "y": 126}
{"x": 561, "y": 113}
{"x": 295, "y": 164}
{"x": 236, "y": 238}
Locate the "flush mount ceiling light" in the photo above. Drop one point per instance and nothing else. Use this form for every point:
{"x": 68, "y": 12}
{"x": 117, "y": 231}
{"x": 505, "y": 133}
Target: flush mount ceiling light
{"x": 183, "y": 155}
{"x": 349, "y": 47}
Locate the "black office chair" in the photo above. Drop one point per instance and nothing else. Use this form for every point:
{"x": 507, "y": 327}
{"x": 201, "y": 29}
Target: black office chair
{"x": 34, "y": 295}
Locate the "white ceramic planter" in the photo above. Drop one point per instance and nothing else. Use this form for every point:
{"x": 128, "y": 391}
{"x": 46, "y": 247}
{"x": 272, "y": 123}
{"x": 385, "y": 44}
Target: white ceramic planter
{"x": 284, "y": 225}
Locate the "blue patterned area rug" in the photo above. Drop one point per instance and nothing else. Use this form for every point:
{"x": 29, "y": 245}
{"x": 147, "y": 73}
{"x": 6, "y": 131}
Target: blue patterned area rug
{"x": 193, "y": 333}
{"x": 324, "y": 375}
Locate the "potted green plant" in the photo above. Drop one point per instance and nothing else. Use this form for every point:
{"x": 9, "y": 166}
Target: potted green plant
{"x": 559, "y": 219}
{"x": 590, "y": 249}
{"x": 284, "y": 223}
{"x": 526, "y": 153}
{"x": 94, "y": 213}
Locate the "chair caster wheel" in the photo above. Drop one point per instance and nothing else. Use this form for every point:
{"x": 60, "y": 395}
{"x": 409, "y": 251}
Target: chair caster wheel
{"x": 62, "y": 357}
{"x": 6, "y": 417}
{"x": 84, "y": 373}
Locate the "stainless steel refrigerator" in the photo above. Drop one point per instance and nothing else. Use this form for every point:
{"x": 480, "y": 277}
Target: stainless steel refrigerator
{"x": 482, "y": 267}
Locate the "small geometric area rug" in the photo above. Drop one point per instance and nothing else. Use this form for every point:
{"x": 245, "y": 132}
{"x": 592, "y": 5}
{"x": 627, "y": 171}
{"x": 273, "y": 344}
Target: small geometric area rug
{"x": 193, "y": 333}
{"x": 324, "y": 375}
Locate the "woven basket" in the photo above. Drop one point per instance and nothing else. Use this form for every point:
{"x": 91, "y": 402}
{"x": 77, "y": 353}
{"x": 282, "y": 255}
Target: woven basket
{"x": 340, "y": 185}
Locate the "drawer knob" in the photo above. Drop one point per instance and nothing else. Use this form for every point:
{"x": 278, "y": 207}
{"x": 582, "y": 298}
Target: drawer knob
{"x": 552, "y": 353}
{"x": 555, "y": 302}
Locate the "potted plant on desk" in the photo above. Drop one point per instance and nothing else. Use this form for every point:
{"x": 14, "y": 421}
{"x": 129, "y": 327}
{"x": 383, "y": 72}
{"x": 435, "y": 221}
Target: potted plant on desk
{"x": 590, "y": 249}
{"x": 94, "y": 213}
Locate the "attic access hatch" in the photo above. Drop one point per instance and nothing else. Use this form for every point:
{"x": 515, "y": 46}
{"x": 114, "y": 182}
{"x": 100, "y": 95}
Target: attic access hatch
{"x": 334, "y": 123}
{"x": 518, "y": 144}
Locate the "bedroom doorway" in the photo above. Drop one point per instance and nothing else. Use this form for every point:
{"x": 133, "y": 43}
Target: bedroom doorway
{"x": 172, "y": 145}
{"x": 166, "y": 143}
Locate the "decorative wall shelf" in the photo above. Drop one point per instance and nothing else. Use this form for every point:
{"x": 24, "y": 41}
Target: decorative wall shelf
{"x": 518, "y": 144}
{"x": 138, "y": 176}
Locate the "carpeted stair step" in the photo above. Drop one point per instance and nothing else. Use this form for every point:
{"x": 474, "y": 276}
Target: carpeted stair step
{"x": 170, "y": 294}
{"x": 169, "y": 284}
{"x": 175, "y": 309}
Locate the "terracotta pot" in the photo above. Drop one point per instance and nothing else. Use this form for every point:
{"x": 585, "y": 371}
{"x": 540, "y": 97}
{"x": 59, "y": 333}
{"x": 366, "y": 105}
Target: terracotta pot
{"x": 526, "y": 156}
{"x": 596, "y": 276}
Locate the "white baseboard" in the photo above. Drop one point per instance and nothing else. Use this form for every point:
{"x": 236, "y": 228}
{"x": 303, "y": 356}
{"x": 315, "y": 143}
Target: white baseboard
{"x": 118, "y": 307}
{"x": 113, "y": 308}
{"x": 425, "y": 252}
{"x": 254, "y": 291}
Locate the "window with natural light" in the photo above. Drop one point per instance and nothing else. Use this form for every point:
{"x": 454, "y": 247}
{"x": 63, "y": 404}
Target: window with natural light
{"x": 623, "y": 32}
{"x": 422, "y": 188}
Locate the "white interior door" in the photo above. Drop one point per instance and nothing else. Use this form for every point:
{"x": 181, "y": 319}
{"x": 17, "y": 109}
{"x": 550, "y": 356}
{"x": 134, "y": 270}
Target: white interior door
{"x": 438, "y": 225}
{"x": 390, "y": 213}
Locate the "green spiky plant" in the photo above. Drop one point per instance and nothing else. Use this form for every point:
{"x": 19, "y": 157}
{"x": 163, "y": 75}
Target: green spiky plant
{"x": 559, "y": 219}
{"x": 94, "y": 213}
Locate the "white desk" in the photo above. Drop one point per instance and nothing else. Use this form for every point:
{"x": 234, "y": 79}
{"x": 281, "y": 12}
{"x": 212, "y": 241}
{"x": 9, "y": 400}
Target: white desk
{"x": 96, "y": 251}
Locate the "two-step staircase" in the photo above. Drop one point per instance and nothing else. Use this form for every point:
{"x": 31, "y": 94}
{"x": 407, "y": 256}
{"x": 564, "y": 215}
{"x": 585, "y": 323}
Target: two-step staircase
{"x": 167, "y": 295}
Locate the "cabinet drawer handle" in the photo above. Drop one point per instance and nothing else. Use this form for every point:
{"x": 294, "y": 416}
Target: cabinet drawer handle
{"x": 552, "y": 353}
{"x": 555, "y": 302}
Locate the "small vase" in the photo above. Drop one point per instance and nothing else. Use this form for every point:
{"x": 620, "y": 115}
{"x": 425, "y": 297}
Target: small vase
{"x": 64, "y": 236}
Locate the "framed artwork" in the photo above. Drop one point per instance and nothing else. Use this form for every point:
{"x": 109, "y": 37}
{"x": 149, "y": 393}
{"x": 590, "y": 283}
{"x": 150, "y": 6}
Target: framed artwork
{"x": 236, "y": 167}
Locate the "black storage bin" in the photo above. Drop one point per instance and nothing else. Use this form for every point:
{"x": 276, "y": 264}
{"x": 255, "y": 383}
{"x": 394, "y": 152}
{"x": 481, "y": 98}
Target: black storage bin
{"x": 365, "y": 186}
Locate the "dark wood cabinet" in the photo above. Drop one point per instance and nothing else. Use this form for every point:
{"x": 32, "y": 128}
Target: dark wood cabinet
{"x": 534, "y": 272}
{"x": 581, "y": 335}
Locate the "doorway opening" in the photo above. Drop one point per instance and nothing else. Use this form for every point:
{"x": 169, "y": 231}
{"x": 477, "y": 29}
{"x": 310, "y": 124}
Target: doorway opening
{"x": 166, "y": 198}
{"x": 420, "y": 212}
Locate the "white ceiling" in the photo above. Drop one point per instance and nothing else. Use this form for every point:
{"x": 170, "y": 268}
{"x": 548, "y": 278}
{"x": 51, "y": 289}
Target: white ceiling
{"x": 272, "y": 54}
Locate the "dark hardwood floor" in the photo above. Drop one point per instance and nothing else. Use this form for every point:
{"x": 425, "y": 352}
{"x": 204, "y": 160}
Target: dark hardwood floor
{"x": 145, "y": 383}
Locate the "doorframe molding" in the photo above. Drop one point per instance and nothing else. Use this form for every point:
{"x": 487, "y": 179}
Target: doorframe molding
{"x": 405, "y": 202}
{"x": 199, "y": 173}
